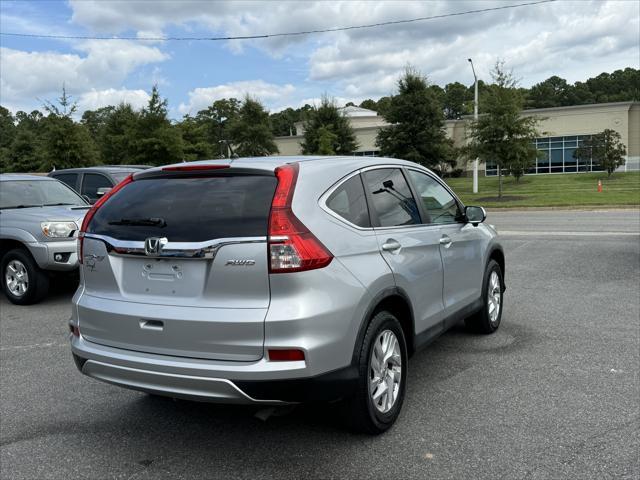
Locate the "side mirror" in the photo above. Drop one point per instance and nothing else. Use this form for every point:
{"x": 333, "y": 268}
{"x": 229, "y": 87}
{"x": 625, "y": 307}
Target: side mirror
{"x": 475, "y": 215}
{"x": 102, "y": 190}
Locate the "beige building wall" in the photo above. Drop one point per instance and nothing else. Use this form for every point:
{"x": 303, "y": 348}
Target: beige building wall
{"x": 624, "y": 117}
{"x": 633, "y": 147}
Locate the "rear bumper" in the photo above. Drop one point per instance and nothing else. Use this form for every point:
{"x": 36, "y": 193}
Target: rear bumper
{"x": 260, "y": 382}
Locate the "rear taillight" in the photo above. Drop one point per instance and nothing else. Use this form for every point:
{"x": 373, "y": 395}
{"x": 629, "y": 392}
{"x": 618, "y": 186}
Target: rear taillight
{"x": 292, "y": 247}
{"x": 92, "y": 212}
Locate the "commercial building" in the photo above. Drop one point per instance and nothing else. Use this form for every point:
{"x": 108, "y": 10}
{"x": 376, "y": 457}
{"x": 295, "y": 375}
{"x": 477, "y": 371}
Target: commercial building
{"x": 564, "y": 128}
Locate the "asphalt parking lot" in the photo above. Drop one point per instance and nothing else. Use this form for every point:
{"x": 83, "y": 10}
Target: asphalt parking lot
{"x": 554, "y": 393}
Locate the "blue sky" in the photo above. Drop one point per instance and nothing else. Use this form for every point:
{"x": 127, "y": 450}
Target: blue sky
{"x": 572, "y": 39}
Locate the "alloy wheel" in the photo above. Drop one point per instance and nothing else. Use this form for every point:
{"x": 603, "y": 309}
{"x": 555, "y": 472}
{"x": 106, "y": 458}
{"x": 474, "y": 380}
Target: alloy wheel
{"x": 16, "y": 278}
{"x": 385, "y": 371}
{"x": 494, "y": 296}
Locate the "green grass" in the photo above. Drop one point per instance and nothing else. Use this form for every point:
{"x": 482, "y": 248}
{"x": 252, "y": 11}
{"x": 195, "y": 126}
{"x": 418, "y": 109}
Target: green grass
{"x": 562, "y": 190}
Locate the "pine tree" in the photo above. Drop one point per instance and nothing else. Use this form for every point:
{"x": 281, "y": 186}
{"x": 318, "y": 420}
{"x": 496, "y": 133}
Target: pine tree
{"x": 117, "y": 142}
{"x": 7, "y": 135}
{"x": 65, "y": 143}
{"x": 157, "y": 142}
{"x": 251, "y": 132}
{"x": 324, "y": 119}
{"x": 417, "y": 130}
{"x": 194, "y": 139}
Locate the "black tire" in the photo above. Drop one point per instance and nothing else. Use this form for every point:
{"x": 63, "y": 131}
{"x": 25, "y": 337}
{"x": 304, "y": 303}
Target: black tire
{"x": 38, "y": 280}
{"x": 361, "y": 413}
{"x": 481, "y": 321}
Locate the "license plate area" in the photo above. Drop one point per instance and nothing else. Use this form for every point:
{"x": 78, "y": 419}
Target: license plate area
{"x": 164, "y": 277}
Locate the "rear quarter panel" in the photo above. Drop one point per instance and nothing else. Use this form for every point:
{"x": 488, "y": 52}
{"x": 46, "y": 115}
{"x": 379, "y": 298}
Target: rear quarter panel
{"x": 340, "y": 294}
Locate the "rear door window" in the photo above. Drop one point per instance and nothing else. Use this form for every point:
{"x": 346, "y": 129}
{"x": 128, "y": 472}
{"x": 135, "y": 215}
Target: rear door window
{"x": 391, "y": 199}
{"x": 349, "y": 202}
{"x": 70, "y": 179}
{"x": 91, "y": 182}
{"x": 188, "y": 209}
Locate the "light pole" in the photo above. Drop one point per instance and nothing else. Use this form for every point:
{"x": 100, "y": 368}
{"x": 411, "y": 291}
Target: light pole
{"x": 475, "y": 119}
{"x": 221, "y": 140}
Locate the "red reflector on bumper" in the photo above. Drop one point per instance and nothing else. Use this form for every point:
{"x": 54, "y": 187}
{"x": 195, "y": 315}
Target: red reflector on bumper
{"x": 290, "y": 355}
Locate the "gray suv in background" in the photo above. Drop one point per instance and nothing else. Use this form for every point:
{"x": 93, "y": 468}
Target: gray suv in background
{"x": 39, "y": 218}
{"x": 93, "y": 182}
{"x": 280, "y": 280}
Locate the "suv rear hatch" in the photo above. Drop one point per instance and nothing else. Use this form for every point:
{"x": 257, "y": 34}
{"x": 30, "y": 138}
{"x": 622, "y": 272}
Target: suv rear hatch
{"x": 176, "y": 263}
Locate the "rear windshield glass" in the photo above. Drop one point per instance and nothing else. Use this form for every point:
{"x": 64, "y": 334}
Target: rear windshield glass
{"x": 188, "y": 209}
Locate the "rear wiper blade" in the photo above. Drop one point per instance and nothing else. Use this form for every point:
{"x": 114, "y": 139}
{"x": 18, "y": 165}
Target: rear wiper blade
{"x": 141, "y": 222}
{"x": 57, "y": 204}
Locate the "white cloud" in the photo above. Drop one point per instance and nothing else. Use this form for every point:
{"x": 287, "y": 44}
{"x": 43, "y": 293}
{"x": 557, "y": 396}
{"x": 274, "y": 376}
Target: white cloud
{"x": 100, "y": 65}
{"x": 95, "y": 99}
{"x": 574, "y": 39}
{"x": 270, "y": 94}
{"x": 565, "y": 38}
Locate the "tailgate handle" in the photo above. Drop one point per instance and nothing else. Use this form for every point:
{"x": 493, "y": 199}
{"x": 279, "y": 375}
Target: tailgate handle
{"x": 152, "y": 325}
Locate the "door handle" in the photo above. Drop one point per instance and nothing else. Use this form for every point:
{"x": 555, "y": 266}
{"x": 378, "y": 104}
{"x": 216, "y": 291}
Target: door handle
{"x": 445, "y": 240}
{"x": 391, "y": 245}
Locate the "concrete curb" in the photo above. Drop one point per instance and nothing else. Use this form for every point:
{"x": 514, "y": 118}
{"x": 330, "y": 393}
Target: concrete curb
{"x": 568, "y": 207}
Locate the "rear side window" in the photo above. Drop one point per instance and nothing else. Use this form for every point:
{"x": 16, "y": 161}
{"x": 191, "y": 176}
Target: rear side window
{"x": 188, "y": 209}
{"x": 391, "y": 197}
{"x": 70, "y": 179}
{"x": 349, "y": 202}
{"x": 91, "y": 182}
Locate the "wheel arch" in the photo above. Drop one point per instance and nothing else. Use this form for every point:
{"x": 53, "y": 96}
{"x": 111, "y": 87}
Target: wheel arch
{"x": 497, "y": 253}
{"x": 395, "y": 301}
{"x": 8, "y": 244}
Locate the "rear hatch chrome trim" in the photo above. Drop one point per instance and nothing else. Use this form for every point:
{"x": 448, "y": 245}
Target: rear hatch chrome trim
{"x": 205, "y": 250}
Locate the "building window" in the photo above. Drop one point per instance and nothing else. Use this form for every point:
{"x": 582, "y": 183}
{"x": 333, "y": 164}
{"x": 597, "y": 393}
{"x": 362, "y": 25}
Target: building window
{"x": 555, "y": 155}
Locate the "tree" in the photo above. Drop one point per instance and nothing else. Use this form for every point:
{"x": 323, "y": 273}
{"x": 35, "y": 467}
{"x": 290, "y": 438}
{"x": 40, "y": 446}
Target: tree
{"x": 369, "y": 104}
{"x": 251, "y": 132}
{"x": 605, "y": 149}
{"x": 157, "y": 142}
{"x": 283, "y": 123}
{"x": 117, "y": 142}
{"x": 217, "y": 118}
{"x": 553, "y": 92}
{"x": 65, "y": 143}
{"x": 324, "y": 119}
{"x": 194, "y": 139}
{"x": 456, "y": 100}
{"x": 24, "y": 153}
{"x": 326, "y": 140}
{"x": 416, "y": 131}
{"x": 95, "y": 120}
{"x": 8, "y": 133}
{"x": 501, "y": 134}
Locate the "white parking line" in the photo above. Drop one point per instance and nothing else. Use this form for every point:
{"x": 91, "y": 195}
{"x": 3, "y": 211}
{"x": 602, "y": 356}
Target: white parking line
{"x": 35, "y": 345}
{"x": 525, "y": 233}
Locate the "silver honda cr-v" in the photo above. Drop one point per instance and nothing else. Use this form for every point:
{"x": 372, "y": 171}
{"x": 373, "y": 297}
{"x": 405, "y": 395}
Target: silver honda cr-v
{"x": 280, "y": 280}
